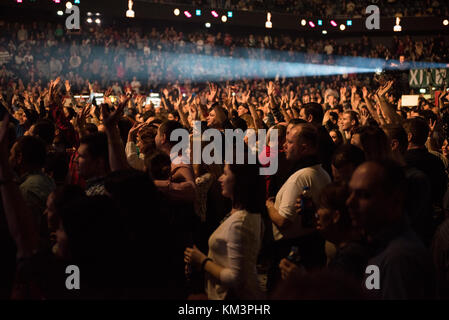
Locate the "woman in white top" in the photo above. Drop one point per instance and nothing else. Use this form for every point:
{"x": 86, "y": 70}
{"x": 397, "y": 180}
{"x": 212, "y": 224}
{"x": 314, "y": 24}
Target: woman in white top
{"x": 230, "y": 266}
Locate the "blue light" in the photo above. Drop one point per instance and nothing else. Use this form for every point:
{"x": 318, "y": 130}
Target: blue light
{"x": 198, "y": 12}
{"x": 229, "y": 14}
{"x": 320, "y": 22}
{"x": 349, "y": 23}
{"x": 77, "y": 1}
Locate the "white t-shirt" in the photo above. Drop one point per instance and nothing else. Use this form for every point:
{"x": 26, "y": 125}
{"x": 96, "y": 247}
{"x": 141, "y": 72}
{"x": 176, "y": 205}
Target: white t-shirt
{"x": 235, "y": 246}
{"x": 316, "y": 178}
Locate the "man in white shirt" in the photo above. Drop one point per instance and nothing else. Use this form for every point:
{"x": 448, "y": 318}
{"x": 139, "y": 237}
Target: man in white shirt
{"x": 301, "y": 148}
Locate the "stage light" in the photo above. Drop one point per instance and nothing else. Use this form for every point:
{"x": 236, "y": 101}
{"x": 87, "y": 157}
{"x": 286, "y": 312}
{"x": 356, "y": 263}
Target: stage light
{"x": 397, "y": 27}
{"x": 320, "y": 22}
{"x": 68, "y": 5}
{"x": 324, "y": 31}
{"x": 224, "y": 18}
{"x": 19, "y": 1}
{"x": 97, "y": 21}
{"x": 89, "y": 14}
{"x": 60, "y": 13}
{"x": 176, "y": 12}
{"x": 333, "y": 23}
{"x": 97, "y": 14}
{"x": 422, "y": 90}
{"x": 198, "y": 12}
{"x": 214, "y": 13}
{"x": 187, "y": 14}
{"x": 349, "y": 23}
{"x": 311, "y": 24}
{"x": 56, "y": 1}
{"x": 77, "y": 1}
{"x": 342, "y": 27}
{"x": 207, "y": 24}
{"x": 229, "y": 14}
{"x": 89, "y": 20}
{"x": 445, "y": 22}
{"x": 303, "y": 22}
{"x": 268, "y": 23}
{"x": 130, "y": 12}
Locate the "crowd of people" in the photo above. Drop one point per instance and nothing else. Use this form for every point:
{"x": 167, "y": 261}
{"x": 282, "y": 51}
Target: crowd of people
{"x": 325, "y": 8}
{"x": 361, "y": 179}
{"x": 36, "y": 52}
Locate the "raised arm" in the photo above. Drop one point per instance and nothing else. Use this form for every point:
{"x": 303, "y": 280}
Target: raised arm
{"x": 117, "y": 156}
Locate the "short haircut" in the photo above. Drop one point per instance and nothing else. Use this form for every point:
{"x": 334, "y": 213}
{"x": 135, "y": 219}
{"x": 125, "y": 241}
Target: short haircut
{"x": 418, "y": 128}
{"x": 167, "y": 127}
{"x": 32, "y": 150}
{"x": 45, "y": 130}
{"x": 315, "y": 110}
{"x": 97, "y": 146}
{"x": 333, "y": 197}
{"x": 353, "y": 116}
{"x": 347, "y": 154}
{"x": 397, "y": 132}
{"x": 308, "y": 135}
{"x": 374, "y": 142}
{"x": 296, "y": 121}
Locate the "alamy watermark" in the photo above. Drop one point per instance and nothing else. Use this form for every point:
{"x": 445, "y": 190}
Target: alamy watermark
{"x": 73, "y": 20}
{"x": 222, "y": 145}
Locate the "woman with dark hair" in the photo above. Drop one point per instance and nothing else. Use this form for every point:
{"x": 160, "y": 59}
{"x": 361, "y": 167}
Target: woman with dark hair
{"x": 230, "y": 265}
{"x": 337, "y": 137}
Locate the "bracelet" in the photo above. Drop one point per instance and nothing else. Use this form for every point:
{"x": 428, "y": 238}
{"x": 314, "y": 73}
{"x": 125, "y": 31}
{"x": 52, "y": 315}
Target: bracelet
{"x": 203, "y": 264}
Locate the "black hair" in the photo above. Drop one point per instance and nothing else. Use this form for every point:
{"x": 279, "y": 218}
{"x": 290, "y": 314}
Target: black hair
{"x": 333, "y": 197}
{"x": 249, "y": 187}
{"x": 167, "y": 127}
{"x": 57, "y": 166}
{"x": 97, "y": 146}
{"x": 419, "y": 130}
{"x": 347, "y": 154}
{"x": 315, "y": 110}
{"x": 159, "y": 165}
{"x": 374, "y": 142}
{"x": 33, "y": 151}
{"x": 45, "y": 130}
{"x": 397, "y": 132}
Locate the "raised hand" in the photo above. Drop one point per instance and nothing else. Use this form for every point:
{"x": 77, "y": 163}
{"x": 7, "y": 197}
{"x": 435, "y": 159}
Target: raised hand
{"x": 132, "y": 134}
{"x": 110, "y": 119}
{"x": 353, "y": 90}
{"x": 80, "y": 118}
{"x": 432, "y": 125}
{"x": 364, "y": 116}
{"x": 67, "y": 86}
{"x": 270, "y": 88}
{"x": 213, "y": 90}
{"x": 246, "y": 96}
{"x": 383, "y": 90}
{"x": 365, "y": 92}
{"x": 178, "y": 102}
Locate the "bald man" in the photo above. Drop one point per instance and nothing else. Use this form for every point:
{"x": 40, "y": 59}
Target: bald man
{"x": 376, "y": 205}
{"x": 301, "y": 149}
